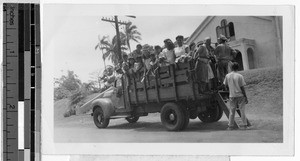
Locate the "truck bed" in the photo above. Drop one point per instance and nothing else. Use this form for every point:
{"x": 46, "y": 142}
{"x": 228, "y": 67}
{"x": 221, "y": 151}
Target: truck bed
{"x": 171, "y": 83}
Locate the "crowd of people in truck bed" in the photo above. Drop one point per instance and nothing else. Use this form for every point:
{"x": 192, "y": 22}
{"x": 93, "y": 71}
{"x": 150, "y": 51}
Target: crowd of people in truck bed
{"x": 211, "y": 64}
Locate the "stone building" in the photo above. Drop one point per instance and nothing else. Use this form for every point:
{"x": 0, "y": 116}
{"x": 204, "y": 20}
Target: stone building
{"x": 257, "y": 38}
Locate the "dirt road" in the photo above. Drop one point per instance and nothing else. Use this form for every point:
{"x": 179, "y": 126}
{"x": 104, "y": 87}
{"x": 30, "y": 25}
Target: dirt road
{"x": 81, "y": 129}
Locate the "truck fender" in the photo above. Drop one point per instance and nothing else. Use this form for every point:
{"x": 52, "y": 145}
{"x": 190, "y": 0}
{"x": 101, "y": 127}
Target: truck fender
{"x": 105, "y": 104}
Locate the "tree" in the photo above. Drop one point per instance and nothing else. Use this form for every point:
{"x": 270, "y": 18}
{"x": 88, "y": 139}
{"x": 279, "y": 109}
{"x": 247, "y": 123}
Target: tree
{"x": 95, "y": 78}
{"x": 65, "y": 85}
{"x": 131, "y": 33}
{"x": 111, "y": 48}
{"x": 70, "y": 81}
{"x": 100, "y": 44}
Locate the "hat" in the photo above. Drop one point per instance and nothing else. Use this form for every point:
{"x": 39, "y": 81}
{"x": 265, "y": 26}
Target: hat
{"x": 200, "y": 43}
{"x": 222, "y": 37}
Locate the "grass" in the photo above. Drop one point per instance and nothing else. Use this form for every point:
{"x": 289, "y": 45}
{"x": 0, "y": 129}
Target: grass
{"x": 264, "y": 90}
{"x": 63, "y": 105}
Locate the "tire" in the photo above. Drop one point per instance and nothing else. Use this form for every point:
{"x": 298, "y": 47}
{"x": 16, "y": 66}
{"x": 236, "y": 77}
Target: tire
{"x": 132, "y": 119}
{"x": 99, "y": 119}
{"x": 186, "y": 119}
{"x": 220, "y": 112}
{"x": 172, "y": 117}
{"x": 193, "y": 114}
{"x": 211, "y": 114}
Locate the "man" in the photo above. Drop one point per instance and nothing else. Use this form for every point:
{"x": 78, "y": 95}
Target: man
{"x": 224, "y": 55}
{"x": 157, "y": 50}
{"x": 125, "y": 64}
{"x": 137, "y": 52}
{"x": 108, "y": 77}
{"x": 237, "y": 96}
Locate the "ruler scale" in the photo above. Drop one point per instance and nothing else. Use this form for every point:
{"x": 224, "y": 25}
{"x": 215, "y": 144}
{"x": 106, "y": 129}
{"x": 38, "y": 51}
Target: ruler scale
{"x": 10, "y": 73}
{"x": 21, "y": 82}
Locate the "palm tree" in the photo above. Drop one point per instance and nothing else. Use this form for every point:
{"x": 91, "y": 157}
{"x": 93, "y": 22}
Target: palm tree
{"x": 111, "y": 48}
{"x": 100, "y": 45}
{"x": 131, "y": 33}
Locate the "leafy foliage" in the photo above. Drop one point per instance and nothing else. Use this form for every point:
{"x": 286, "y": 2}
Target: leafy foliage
{"x": 65, "y": 85}
{"x": 60, "y": 93}
{"x": 109, "y": 46}
{"x": 100, "y": 44}
{"x": 78, "y": 96}
{"x": 111, "y": 49}
{"x": 70, "y": 81}
{"x": 131, "y": 33}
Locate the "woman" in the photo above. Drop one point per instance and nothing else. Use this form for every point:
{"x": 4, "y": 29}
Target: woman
{"x": 168, "y": 54}
{"x": 192, "y": 48}
{"x": 203, "y": 70}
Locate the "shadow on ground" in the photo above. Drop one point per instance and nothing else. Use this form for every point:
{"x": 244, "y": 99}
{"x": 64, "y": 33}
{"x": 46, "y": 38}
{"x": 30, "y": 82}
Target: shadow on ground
{"x": 158, "y": 127}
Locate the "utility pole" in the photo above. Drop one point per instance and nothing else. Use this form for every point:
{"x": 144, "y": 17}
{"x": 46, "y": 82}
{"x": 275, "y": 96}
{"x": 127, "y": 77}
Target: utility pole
{"x": 117, "y": 23}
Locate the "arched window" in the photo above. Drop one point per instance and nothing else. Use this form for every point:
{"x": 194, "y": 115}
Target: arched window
{"x": 223, "y": 23}
{"x": 231, "y": 29}
{"x": 226, "y": 29}
{"x": 218, "y": 30}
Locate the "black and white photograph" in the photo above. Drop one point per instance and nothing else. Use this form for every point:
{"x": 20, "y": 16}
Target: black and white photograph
{"x": 138, "y": 75}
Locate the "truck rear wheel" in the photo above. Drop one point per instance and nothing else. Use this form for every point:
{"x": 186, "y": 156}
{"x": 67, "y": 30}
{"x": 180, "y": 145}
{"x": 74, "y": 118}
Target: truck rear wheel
{"x": 186, "y": 119}
{"x": 132, "y": 119}
{"x": 99, "y": 119}
{"x": 172, "y": 117}
{"x": 212, "y": 114}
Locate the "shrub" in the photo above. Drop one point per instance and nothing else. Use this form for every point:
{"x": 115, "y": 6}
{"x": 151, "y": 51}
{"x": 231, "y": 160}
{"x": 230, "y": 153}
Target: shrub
{"x": 61, "y": 93}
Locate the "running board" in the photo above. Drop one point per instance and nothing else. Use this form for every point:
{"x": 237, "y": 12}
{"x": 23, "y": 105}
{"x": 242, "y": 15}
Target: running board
{"x": 226, "y": 111}
{"x": 119, "y": 116}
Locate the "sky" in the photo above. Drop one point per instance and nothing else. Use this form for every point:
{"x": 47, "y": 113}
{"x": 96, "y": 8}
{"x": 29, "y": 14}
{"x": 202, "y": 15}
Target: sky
{"x": 71, "y": 34}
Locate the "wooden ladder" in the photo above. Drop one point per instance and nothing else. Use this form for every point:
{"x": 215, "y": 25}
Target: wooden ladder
{"x": 222, "y": 103}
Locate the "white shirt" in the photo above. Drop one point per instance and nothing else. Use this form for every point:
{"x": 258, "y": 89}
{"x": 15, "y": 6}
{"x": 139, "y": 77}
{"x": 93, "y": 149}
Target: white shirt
{"x": 180, "y": 50}
{"x": 147, "y": 63}
{"x": 234, "y": 81}
{"x": 169, "y": 55}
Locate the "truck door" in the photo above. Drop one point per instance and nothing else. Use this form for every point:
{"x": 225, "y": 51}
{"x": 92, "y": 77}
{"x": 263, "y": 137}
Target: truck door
{"x": 119, "y": 98}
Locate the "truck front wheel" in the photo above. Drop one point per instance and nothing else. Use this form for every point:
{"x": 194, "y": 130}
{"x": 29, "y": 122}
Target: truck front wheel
{"x": 99, "y": 119}
{"x": 172, "y": 117}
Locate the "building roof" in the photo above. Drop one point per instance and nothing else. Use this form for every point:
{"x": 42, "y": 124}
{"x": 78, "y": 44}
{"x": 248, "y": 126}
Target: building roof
{"x": 199, "y": 29}
{"x": 208, "y": 19}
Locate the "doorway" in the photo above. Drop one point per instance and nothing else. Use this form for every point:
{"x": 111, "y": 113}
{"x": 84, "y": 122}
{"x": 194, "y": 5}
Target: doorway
{"x": 239, "y": 59}
{"x": 250, "y": 58}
